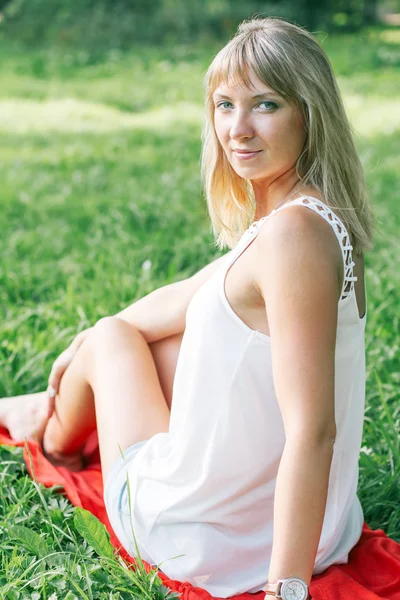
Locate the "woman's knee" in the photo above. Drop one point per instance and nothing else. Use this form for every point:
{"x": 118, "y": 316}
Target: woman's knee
{"x": 111, "y": 323}
{"x": 109, "y": 337}
{"x": 109, "y": 328}
{"x": 110, "y": 333}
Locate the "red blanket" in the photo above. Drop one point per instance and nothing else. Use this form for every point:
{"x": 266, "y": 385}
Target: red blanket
{"x": 372, "y": 573}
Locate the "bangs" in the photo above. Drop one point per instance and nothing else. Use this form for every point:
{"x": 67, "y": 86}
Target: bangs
{"x": 240, "y": 58}
{"x": 231, "y": 66}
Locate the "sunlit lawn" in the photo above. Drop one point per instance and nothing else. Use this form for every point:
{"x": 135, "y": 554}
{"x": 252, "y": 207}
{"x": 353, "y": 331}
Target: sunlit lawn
{"x": 99, "y": 174}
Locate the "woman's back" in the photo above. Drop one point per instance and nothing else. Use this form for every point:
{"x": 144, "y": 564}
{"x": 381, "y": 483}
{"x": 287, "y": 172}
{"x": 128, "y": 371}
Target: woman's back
{"x": 206, "y": 488}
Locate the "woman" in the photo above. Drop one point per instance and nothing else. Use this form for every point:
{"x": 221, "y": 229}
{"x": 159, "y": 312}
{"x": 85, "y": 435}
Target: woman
{"x": 241, "y": 456}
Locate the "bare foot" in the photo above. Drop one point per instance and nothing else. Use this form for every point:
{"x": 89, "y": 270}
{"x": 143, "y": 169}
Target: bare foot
{"x": 26, "y": 416}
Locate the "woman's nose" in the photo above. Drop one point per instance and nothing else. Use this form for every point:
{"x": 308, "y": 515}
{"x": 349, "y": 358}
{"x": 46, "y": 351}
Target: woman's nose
{"x": 241, "y": 126}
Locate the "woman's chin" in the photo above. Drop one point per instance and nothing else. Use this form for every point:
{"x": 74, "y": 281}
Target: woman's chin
{"x": 249, "y": 172}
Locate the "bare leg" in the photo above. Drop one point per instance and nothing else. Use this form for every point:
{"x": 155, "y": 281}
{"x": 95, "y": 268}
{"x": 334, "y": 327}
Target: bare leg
{"x": 26, "y": 416}
{"x": 112, "y": 382}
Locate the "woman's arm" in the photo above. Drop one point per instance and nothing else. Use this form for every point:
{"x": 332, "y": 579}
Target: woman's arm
{"x": 298, "y": 274}
{"x": 158, "y": 315}
{"x": 299, "y": 507}
{"x": 162, "y": 313}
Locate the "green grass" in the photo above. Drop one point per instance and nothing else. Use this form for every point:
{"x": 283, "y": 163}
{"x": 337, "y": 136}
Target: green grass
{"x": 99, "y": 173}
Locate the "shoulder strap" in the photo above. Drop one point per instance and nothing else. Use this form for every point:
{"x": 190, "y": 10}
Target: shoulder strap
{"x": 341, "y": 233}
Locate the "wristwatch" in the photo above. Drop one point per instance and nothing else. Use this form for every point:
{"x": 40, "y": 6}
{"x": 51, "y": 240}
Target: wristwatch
{"x": 291, "y": 588}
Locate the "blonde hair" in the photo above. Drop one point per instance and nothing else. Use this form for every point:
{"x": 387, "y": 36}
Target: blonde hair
{"x": 288, "y": 59}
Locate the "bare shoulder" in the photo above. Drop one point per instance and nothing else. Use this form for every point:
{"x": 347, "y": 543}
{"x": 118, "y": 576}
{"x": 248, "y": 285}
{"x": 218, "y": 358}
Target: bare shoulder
{"x": 297, "y": 239}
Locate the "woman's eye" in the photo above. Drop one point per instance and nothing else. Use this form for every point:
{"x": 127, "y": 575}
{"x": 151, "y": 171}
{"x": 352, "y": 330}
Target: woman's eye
{"x": 271, "y": 104}
{"x": 221, "y": 104}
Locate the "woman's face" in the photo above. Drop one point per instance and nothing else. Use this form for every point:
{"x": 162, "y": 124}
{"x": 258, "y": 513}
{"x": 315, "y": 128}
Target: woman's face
{"x": 258, "y": 120}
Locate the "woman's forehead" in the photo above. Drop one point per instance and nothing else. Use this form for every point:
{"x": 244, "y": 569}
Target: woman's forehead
{"x": 225, "y": 89}
{"x": 240, "y": 82}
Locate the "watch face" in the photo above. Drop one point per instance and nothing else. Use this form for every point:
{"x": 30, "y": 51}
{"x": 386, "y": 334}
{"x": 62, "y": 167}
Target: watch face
{"x": 294, "y": 589}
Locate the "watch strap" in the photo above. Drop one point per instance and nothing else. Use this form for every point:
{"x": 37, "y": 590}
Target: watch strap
{"x": 272, "y": 589}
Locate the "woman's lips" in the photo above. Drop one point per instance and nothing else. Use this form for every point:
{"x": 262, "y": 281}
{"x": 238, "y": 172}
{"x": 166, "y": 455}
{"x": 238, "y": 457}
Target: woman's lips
{"x": 244, "y": 155}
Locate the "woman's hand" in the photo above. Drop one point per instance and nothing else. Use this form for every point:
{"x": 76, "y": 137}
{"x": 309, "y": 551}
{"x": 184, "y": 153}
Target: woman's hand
{"x": 61, "y": 364}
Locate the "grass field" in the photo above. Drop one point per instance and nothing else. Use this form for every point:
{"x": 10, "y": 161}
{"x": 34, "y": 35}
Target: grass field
{"x": 99, "y": 175}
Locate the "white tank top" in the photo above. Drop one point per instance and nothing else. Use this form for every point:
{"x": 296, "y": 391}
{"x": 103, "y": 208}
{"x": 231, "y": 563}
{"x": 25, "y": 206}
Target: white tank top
{"x": 205, "y": 489}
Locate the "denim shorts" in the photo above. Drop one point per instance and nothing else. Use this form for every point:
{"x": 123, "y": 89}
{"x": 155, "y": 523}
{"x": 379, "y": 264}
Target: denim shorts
{"x": 117, "y": 505}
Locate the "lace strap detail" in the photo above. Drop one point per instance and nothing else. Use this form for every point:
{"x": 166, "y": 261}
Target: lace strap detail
{"x": 341, "y": 233}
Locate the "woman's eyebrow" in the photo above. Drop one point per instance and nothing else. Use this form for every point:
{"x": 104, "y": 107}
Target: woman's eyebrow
{"x": 217, "y": 95}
